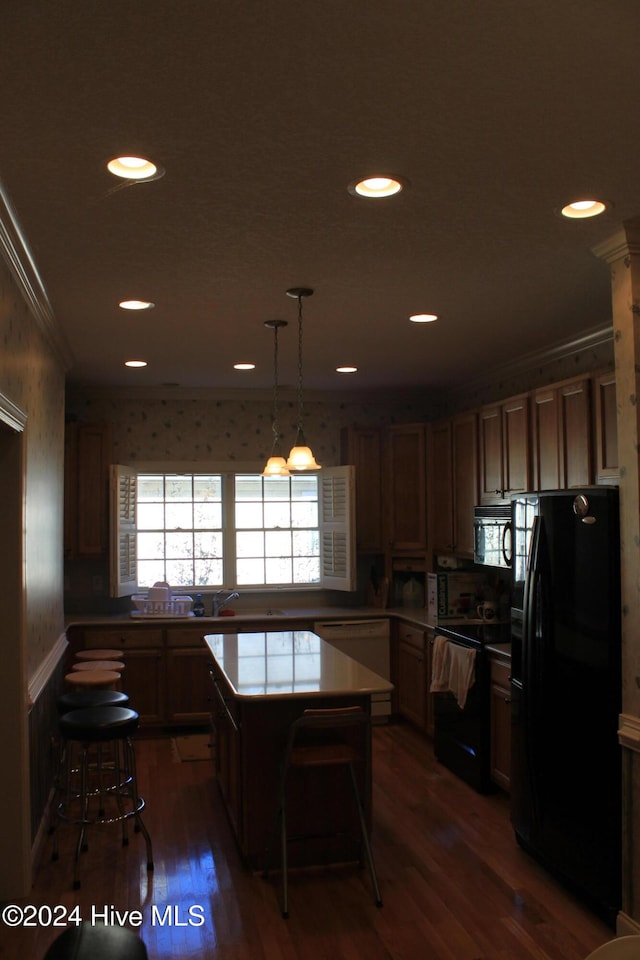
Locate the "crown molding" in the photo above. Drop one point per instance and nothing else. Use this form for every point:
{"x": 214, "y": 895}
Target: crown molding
{"x": 17, "y": 254}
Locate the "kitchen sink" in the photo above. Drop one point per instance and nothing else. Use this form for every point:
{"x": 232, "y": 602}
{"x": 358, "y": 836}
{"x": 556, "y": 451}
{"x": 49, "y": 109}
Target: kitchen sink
{"x": 255, "y": 614}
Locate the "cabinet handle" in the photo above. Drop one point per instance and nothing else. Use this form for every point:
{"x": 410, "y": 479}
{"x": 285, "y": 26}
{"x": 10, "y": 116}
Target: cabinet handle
{"x": 507, "y": 699}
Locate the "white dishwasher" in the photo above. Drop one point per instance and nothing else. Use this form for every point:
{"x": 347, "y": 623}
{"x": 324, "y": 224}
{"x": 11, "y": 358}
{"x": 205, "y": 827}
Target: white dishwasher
{"x": 366, "y": 641}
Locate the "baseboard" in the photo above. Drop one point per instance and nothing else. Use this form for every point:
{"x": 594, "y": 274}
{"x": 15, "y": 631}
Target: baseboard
{"x": 626, "y": 926}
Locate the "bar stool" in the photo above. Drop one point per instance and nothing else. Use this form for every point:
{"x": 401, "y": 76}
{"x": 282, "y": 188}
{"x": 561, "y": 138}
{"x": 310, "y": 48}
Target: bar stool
{"x": 115, "y": 665}
{"x": 92, "y": 679}
{"x": 97, "y": 941}
{"x": 99, "y": 654}
{"x": 330, "y": 750}
{"x": 90, "y": 796}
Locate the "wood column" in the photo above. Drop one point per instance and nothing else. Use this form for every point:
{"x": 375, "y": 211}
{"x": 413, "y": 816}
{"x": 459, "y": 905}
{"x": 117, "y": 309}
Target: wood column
{"x": 622, "y": 252}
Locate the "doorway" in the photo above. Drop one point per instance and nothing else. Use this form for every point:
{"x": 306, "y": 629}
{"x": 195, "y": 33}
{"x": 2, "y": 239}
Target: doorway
{"x": 15, "y": 832}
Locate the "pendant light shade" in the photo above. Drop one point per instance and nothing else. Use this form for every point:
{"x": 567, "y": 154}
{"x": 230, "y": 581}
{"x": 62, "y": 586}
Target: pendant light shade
{"x": 301, "y": 456}
{"x": 276, "y": 465}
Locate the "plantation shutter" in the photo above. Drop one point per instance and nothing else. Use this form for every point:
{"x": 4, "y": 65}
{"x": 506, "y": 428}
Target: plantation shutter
{"x": 337, "y": 528}
{"x": 122, "y": 552}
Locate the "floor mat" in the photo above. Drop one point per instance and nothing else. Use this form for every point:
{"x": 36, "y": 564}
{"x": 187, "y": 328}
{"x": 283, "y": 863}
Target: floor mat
{"x": 193, "y": 746}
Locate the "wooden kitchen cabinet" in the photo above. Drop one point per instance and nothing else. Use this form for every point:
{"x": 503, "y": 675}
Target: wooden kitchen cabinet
{"x": 561, "y": 435}
{"x": 362, "y": 447}
{"x": 227, "y": 749}
{"x": 88, "y": 451}
{"x": 500, "y": 713}
{"x": 504, "y": 449}
{"x": 607, "y": 469}
{"x": 453, "y": 484}
{"x": 188, "y": 685}
{"x": 406, "y": 488}
{"x": 412, "y": 674}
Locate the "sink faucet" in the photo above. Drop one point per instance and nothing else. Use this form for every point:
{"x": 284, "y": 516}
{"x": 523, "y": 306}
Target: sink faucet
{"x": 221, "y": 598}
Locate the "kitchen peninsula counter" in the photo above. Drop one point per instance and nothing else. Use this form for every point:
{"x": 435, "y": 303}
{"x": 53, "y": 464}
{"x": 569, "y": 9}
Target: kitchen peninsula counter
{"x": 262, "y": 682}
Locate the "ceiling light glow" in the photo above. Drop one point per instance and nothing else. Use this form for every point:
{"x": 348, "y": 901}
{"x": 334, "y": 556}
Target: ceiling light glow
{"x": 581, "y": 209}
{"x": 136, "y": 305}
{"x": 134, "y": 168}
{"x": 135, "y": 363}
{"x": 376, "y": 187}
{"x": 346, "y": 369}
{"x": 423, "y": 317}
{"x": 244, "y": 366}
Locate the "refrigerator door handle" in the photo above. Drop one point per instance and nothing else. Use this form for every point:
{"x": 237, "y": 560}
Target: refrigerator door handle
{"x": 529, "y": 632}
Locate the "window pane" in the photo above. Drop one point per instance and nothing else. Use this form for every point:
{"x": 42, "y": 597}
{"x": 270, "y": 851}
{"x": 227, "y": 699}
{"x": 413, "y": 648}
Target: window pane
{"x": 278, "y": 570}
{"x": 250, "y": 571}
{"x": 150, "y": 516}
{"x": 249, "y": 488}
{"x": 250, "y": 544}
{"x": 304, "y": 487}
{"x": 207, "y": 545}
{"x": 150, "y": 488}
{"x": 179, "y": 488}
{"x": 207, "y": 488}
{"x": 304, "y": 514}
{"x": 276, "y": 488}
{"x": 179, "y": 573}
{"x": 277, "y": 514}
{"x": 179, "y": 545}
{"x": 208, "y": 573}
{"x": 306, "y": 543}
{"x": 306, "y": 570}
{"x": 277, "y": 544}
{"x": 207, "y": 515}
{"x": 150, "y": 546}
{"x": 178, "y": 516}
{"x": 150, "y": 572}
{"x": 249, "y": 514}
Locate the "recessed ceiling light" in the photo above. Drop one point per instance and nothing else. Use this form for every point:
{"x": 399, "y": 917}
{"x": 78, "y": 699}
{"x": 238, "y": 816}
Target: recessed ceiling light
{"x": 136, "y": 304}
{"x": 581, "y": 209}
{"x": 244, "y": 366}
{"x": 135, "y": 363}
{"x": 423, "y": 317}
{"x": 346, "y": 369}
{"x": 134, "y": 168}
{"x": 377, "y": 187}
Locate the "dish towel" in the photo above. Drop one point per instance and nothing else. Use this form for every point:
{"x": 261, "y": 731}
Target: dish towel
{"x": 453, "y": 669}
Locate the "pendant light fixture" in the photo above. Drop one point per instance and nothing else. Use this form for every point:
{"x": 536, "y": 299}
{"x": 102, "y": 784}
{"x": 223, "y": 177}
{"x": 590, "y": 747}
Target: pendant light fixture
{"x": 300, "y": 456}
{"x": 276, "y": 465}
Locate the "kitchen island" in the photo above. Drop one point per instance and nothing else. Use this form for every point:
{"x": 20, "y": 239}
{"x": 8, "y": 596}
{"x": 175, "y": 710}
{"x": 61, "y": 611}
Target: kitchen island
{"x": 262, "y": 682}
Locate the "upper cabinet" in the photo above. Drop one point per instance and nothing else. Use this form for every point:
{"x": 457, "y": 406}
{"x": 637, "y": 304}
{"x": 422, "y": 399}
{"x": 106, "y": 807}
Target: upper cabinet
{"x": 605, "y": 428}
{"x": 561, "y": 435}
{"x": 362, "y": 447}
{"x": 453, "y": 484}
{"x": 406, "y": 487}
{"x": 86, "y": 489}
{"x": 504, "y": 449}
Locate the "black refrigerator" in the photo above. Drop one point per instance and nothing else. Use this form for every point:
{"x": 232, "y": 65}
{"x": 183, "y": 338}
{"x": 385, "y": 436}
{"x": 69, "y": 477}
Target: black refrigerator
{"x": 566, "y": 688}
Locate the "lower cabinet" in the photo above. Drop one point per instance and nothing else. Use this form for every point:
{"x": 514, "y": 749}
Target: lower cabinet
{"x": 188, "y": 686}
{"x": 501, "y": 719}
{"x": 226, "y": 736}
{"x": 413, "y": 665}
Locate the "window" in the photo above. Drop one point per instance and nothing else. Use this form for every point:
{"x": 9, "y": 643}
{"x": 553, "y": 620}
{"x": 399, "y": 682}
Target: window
{"x": 205, "y": 530}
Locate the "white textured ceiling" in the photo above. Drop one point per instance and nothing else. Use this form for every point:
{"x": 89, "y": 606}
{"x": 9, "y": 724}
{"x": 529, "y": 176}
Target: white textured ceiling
{"x": 262, "y": 112}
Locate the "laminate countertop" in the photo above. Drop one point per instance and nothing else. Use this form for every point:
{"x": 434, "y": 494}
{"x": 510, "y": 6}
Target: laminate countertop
{"x": 289, "y": 663}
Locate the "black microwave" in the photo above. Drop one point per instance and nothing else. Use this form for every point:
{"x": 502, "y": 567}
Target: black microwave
{"x": 492, "y": 542}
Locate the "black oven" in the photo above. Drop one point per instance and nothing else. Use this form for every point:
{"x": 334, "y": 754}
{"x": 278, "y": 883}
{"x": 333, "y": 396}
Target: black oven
{"x": 462, "y": 737}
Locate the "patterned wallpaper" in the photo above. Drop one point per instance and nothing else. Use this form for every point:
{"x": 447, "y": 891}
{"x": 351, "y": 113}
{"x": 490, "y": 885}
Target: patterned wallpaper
{"x": 32, "y": 378}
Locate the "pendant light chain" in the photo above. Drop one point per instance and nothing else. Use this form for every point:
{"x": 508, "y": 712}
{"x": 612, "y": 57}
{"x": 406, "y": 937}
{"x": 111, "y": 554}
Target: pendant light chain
{"x": 275, "y": 426}
{"x": 300, "y": 405}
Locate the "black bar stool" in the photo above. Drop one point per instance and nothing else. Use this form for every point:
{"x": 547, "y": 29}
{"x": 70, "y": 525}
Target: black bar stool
{"x": 332, "y": 749}
{"x": 98, "y": 791}
{"x": 97, "y": 942}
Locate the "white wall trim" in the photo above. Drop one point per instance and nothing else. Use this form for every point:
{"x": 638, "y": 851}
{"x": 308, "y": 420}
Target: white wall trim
{"x": 19, "y": 259}
{"x": 42, "y": 675}
{"x": 626, "y": 926}
{"x": 12, "y": 415}
{"x": 629, "y": 731}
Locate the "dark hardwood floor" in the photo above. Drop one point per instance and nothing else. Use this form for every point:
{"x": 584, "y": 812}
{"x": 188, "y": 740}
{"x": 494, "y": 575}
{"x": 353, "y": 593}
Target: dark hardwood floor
{"x": 455, "y": 884}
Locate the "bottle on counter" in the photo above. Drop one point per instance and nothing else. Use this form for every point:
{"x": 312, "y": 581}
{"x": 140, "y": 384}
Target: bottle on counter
{"x": 198, "y": 606}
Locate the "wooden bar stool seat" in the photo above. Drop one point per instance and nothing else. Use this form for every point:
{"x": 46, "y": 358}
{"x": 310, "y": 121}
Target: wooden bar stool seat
{"x": 93, "y": 679}
{"x": 99, "y": 654}
{"x": 116, "y": 665}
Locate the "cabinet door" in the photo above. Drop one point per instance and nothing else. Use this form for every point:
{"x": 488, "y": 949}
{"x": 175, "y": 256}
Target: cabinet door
{"x": 464, "y": 439}
{"x": 93, "y": 460}
{"x": 226, "y": 735}
{"x": 515, "y": 442}
{"x": 143, "y": 681}
{"x": 500, "y": 723}
{"x": 429, "y": 642}
{"x": 411, "y": 678}
{"x": 441, "y": 487}
{"x": 363, "y": 448}
{"x": 406, "y": 487}
{"x": 606, "y": 429}
{"x": 188, "y": 684}
{"x": 575, "y": 434}
{"x": 545, "y": 439}
{"x": 490, "y": 451}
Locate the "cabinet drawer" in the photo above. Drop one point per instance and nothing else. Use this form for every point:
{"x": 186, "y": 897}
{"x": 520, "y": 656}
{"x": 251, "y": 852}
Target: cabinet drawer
{"x": 414, "y": 636}
{"x": 127, "y": 638}
{"x": 500, "y": 672}
{"x": 187, "y": 636}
